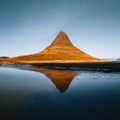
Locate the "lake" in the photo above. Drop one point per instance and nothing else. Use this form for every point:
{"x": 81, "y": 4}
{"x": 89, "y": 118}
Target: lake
{"x": 50, "y": 94}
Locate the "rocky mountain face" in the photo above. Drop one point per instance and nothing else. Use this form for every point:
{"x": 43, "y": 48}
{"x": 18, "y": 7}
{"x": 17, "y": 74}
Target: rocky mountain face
{"x": 60, "y": 50}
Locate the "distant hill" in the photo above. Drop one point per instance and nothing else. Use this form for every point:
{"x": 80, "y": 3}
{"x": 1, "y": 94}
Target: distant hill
{"x": 3, "y": 57}
{"x": 118, "y": 59}
{"x": 61, "y": 50}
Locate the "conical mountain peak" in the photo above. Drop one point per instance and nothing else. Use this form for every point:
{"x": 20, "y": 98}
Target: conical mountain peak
{"x": 61, "y": 50}
{"x": 62, "y": 35}
{"x": 61, "y": 39}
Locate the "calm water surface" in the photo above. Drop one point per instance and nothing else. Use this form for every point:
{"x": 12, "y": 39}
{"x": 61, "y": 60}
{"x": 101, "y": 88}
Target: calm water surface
{"x": 45, "y": 94}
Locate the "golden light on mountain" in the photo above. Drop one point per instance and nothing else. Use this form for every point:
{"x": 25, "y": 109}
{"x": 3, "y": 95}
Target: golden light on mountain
{"x": 61, "y": 50}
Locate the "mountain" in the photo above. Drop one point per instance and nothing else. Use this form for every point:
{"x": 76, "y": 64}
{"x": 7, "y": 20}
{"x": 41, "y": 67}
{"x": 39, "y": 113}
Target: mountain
{"x": 61, "y": 50}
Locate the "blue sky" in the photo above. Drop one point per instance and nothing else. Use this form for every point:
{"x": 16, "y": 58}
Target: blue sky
{"x": 28, "y": 26}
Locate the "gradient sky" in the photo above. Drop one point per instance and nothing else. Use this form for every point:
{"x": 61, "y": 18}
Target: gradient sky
{"x": 28, "y": 26}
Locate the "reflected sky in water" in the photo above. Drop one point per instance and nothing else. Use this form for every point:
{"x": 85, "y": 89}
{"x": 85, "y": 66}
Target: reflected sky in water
{"x": 45, "y": 94}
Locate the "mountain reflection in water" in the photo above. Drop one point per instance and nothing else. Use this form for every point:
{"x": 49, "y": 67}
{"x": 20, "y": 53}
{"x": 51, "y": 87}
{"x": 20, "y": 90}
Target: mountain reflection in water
{"x": 60, "y": 78}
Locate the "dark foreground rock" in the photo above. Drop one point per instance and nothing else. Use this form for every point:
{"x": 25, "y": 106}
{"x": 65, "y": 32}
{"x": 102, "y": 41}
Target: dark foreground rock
{"x": 98, "y": 66}
{"x": 113, "y": 66}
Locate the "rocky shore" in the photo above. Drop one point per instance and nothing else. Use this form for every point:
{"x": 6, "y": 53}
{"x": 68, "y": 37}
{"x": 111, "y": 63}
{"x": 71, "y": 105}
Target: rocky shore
{"x": 93, "y": 66}
{"x": 99, "y": 66}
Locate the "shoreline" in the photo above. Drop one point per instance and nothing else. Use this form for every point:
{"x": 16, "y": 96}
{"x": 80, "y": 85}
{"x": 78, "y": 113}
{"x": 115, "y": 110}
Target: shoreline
{"x": 111, "y": 66}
